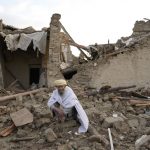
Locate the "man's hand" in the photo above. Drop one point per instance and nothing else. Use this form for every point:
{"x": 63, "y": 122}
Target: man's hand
{"x": 60, "y": 113}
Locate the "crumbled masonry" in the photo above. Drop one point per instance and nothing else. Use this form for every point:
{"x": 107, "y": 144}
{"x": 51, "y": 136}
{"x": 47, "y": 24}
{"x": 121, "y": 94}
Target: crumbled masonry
{"x": 113, "y": 86}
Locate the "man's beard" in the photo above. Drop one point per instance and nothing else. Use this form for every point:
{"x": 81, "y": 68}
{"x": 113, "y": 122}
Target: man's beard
{"x": 61, "y": 92}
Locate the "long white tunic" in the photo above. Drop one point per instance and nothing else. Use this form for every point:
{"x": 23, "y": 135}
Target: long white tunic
{"x": 69, "y": 100}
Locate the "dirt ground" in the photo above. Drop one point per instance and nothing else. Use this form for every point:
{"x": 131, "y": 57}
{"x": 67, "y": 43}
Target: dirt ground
{"x": 127, "y": 124}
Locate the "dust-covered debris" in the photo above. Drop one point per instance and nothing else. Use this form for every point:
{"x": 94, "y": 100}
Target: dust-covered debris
{"x": 128, "y": 123}
{"x": 112, "y": 85}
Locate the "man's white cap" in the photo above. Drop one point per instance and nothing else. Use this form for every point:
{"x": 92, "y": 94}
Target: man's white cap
{"x": 60, "y": 82}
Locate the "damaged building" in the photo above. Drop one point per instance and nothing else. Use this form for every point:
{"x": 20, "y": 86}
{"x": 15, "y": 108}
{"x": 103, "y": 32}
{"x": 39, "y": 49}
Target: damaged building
{"x": 37, "y": 58}
{"x": 21, "y": 58}
{"x": 121, "y": 64}
{"x": 30, "y": 57}
{"x": 112, "y": 82}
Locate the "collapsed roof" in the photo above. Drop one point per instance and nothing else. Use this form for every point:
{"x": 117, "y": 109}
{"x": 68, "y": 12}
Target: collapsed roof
{"x": 21, "y": 38}
{"x": 22, "y": 41}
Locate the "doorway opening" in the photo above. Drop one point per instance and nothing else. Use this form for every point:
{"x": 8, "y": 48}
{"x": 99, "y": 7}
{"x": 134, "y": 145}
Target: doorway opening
{"x": 34, "y": 74}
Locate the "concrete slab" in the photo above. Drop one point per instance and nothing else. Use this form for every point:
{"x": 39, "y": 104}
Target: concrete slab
{"x": 22, "y": 117}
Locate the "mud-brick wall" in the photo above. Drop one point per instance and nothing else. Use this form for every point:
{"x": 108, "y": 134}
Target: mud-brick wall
{"x": 53, "y": 71}
{"x": 18, "y": 63}
{"x": 142, "y": 26}
{"x": 132, "y": 68}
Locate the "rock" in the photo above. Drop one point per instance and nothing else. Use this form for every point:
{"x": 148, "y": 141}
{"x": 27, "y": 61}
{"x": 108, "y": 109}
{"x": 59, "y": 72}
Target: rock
{"x": 99, "y": 138}
{"x": 1, "y": 125}
{"x": 95, "y": 99}
{"x": 41, "y": 111}
{"x": 67, "y": 124}
{"x": 116, "y": 105}
{"x": 3, "y": 110}
{"x": 130, "y": 109}
{"x": 115, "y": 99}
{"x": 121, "y": 127}
{"x": 91, "y": 111}
{"x": 110, "y": 121}
{"x": 5, "y": 119}
{"x": 98, "y": 146}
{"x": 107, "y": 106}
{"x": 133, "y": 123}
{"x": 112, "y": 95}
{"x": 21, "y": 133}
{"x": 84, "y": 148}
{"x": 121, "y": 137}
{"x": 42, "y": 121}
{"x": 73, "y": 145}
{"x": 28, "y": 105}
{"x": 4, "y": 145}
{"x": 50, "y": 135}
{"x": 139, "y": 111}
{"x": 92, "y": 130}
{"x": 142, "y": 123}
{"x": 21, "y": 117}
{"x": 63, "y": 147}
{"x": 144, "y": 116}
{"x": 141, "y": 141}
{"x": 105, "y": 97}
{"x": 147, "y": 131}
{"x": 45, "y": 97}
{"x": 100, "y": 100}
{"x": 40, "y": 141}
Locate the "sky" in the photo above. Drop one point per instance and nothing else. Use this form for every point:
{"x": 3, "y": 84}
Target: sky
{"x": 87, "y": 21}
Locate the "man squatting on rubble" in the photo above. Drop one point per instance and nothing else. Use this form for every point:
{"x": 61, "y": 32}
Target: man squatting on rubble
{"x": 65, "y": 104}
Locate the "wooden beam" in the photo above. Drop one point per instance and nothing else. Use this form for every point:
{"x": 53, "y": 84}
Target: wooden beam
{"x": 135, "y": 102}
{"x": 116, "y": 52}
{"x": 10, "y": 97}
{"x": 144, "y": 105}
{"x": 63, "y": 28}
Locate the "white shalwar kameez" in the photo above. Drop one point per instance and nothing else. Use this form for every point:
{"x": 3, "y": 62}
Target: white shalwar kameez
{"x": 67, "y": 101}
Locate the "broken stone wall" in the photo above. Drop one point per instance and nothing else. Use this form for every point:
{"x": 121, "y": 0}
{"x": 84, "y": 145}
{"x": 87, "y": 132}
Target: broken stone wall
{"x": 141, "y": 26}
{"x": 18, "y": 63}
{"x": 53, "y": 71}
{"x": 130, "y": 68}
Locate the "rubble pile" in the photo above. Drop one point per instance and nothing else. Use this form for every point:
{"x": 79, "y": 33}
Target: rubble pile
{"x": 138, "y": 39}
{"x": 107, "y": 108}
{"x": 121, "y": 64}
{"x": 118, "y": 109}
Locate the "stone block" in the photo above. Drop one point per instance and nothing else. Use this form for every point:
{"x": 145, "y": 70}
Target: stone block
{"x": 110, "y": 121}
{"x": 133, "y": 123}
{"x": 50, "y": 135}
{"x": 141, "y": 141}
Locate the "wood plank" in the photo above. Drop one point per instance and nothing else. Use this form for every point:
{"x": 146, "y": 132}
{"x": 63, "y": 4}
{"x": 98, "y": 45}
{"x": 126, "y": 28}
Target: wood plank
{"x": 63, "y": 28}
{"x": 11, "y": 97}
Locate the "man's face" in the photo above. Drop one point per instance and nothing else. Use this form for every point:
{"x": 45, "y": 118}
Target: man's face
{"x": 61, "y": 89}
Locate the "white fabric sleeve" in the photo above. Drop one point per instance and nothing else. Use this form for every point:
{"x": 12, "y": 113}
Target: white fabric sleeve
{"x": 51, "y": 101}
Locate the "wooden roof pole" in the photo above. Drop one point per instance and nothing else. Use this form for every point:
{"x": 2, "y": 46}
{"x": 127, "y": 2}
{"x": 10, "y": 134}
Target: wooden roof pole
{"x": 63, "y": 28}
